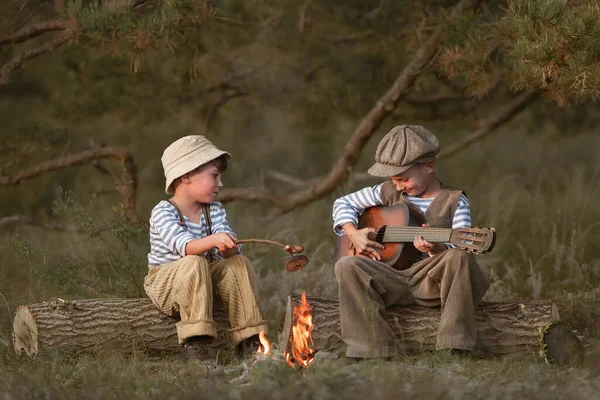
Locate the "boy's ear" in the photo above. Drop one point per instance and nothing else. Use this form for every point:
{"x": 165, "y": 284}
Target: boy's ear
{"x": 429, "y": 166}
{"x": 185, "y": 178}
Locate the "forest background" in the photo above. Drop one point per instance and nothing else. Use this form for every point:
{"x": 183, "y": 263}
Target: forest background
{"x": 300, "y": 92}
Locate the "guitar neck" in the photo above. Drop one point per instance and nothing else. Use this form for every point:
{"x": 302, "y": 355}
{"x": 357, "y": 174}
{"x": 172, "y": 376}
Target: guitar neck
{"x": 406, "y": 234}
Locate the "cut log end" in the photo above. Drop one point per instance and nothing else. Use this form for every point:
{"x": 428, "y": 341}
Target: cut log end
{"x": 562, "y": 346}
{"x": 25, "y": 332}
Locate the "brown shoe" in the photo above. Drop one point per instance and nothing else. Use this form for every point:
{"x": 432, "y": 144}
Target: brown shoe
{"x": 196, "y": 348}
{"x": 248, "y": 346}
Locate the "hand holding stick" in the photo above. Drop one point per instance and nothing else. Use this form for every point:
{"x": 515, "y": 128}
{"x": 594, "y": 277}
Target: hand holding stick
{"x": 293, "y": 263}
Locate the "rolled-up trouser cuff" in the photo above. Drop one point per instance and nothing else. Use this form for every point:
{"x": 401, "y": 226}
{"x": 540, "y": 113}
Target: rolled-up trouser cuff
{"x": 236, "y": 335}
{"x": 371, "y": 352}
{"x": 188, "y": 329}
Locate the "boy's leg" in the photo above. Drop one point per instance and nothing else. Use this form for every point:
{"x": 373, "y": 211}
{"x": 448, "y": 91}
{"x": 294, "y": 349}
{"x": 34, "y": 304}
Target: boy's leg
{"x": 184, "y": 286}
{"x": 234, "y": 282}
{"x": 366, "y": 288}
{"x": 454, "y": 280}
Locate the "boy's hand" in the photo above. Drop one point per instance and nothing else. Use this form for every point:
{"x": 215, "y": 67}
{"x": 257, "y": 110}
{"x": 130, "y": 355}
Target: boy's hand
{"x": 362, "y": 243}
{"x": 222, "y": 241}
{"x": 426, "y": 247}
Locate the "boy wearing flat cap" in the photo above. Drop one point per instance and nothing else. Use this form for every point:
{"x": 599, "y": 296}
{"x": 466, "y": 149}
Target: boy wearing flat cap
{"x": 193, "y": 257}
{"x": 444, "y": 276}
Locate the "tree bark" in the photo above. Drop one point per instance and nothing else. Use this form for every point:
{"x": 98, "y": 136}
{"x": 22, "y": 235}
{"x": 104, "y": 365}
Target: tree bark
{"x": 127, "y": 324}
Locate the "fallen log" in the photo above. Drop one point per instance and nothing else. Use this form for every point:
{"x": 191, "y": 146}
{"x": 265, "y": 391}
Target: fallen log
{"x": 502, "y": 328}
{"x": 127, "y": 324}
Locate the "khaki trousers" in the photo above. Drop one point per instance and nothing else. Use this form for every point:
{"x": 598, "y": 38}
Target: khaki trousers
{"x": 452, "y": 279}
{"x": 188, "y": 287}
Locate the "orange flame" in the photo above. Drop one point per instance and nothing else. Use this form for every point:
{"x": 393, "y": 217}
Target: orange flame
{"x": 265, "y": 345}
{"x": 302, "y": 353}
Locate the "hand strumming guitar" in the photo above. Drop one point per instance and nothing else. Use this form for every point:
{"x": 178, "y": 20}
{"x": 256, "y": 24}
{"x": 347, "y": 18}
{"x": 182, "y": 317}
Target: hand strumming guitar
{"x": 426, "y": 247}
{"x": 361, "y": 242}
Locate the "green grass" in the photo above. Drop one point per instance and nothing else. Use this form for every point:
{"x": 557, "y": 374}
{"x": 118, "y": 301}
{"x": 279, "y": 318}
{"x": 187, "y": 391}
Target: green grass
{"x": 428, "y": 375}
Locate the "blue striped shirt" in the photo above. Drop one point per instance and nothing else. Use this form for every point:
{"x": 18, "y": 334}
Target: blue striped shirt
{"x": 348, "y": 208}
{"x": 168, "y": 237}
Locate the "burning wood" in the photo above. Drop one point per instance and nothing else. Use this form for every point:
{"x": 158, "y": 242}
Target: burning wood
{"x": 302, "y": 352}
{"x": 297, "y": 342}
{"x": 265, "y": 345}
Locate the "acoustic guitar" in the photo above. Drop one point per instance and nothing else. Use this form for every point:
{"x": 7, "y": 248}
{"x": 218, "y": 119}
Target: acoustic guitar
{"x": 394, "y": 230}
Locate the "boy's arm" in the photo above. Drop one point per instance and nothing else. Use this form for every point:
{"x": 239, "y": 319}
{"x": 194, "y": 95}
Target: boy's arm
{"x": 178, "y": 239}
{"x": 462, "y": 219}
{"x": 462, "y": 216}
{"x": 221, "y": 225}
{"x": 167, "y": 225}
{"x": 345, "y": 219}
{"x": 346, "y": 209}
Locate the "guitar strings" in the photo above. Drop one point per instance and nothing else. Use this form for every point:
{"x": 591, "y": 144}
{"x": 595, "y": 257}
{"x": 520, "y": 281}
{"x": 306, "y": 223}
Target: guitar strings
{"x": 408, "y": 234}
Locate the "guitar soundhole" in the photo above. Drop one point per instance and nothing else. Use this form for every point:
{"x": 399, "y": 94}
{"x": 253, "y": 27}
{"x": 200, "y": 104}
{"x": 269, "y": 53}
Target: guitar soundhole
{"x": 380, "y": 234}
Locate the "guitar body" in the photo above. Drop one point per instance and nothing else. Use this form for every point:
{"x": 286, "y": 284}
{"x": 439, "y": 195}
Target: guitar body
{"x": 397, "y": 255}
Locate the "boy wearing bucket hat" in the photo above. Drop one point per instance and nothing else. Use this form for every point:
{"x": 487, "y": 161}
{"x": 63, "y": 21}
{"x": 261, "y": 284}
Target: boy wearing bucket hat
{"x": 193, "y": 258}
{"x": 444, "y": 276}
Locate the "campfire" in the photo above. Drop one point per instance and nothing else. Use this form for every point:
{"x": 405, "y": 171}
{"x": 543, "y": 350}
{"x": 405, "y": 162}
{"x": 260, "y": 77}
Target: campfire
{"x": 297, "y": 344}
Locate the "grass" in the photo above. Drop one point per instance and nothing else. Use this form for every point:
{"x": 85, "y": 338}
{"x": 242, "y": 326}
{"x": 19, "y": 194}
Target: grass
{"x": 430, "y": 375}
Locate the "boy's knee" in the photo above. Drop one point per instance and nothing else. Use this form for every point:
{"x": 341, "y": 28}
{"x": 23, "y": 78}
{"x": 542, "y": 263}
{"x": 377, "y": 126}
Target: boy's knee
{"x": 237, "y": 264}
{"x": 237, "y": 260}
{"x": 344, "y": 266}
{"x": 457, "y": 256}
{"x": 194, "y": 264}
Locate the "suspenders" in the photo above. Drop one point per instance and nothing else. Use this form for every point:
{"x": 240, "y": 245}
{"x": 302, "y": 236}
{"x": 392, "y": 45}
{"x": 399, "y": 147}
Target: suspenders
{"x": 206, "y": 213}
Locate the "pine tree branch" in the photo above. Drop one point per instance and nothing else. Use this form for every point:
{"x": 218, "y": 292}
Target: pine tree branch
{"x": 34, "y": 31}
{"x": 488, "y": 125}
{"x": 375, "y": 13}
{"x": 18, "y": 61}
{"x": 485, "y": 127}
{"x": 302, "y": 15}
{"x": 437, "y": 98}
{"x": 127, "y": 188}
{"x": 371, "y": 121}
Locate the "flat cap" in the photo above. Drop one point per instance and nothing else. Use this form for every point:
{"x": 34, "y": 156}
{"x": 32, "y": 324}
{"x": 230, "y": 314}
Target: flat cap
{"x": 401, "y": 148}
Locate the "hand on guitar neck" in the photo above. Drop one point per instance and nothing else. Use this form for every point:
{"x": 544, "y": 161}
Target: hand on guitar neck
{"x": 426, "y": 247}
{"x": 363, "y": 240}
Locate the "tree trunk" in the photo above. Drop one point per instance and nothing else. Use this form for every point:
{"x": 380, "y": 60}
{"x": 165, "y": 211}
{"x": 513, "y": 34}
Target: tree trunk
{"x": 127, "y": 324}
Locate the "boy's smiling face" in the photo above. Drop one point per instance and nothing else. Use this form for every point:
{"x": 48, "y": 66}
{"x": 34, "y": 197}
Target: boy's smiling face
{"x": 416, "y": 180}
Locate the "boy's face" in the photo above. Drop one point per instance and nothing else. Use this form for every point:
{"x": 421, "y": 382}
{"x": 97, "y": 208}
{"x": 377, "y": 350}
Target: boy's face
{"x": 415, "y": 180}
{"x": 203, "y": 185}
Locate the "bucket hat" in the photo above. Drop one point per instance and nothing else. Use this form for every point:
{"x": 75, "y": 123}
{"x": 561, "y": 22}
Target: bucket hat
{"x": 185, "y": 155}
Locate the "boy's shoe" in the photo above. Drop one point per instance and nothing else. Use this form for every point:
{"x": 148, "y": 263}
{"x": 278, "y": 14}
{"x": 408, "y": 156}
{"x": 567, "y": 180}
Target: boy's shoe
{"x": 248, "y": 346}
{"x": 196, "y": 348}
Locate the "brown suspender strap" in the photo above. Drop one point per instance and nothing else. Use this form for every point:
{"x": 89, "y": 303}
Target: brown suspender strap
{"x": 206, "y": 212}
{"x": 181, "y": 219}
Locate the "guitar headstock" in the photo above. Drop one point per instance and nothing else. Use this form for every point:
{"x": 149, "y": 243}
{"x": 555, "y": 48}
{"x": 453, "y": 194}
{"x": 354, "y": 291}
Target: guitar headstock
{"x": 474, "y": 240}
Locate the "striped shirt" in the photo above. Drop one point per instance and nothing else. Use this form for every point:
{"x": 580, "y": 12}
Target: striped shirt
{"x": 168, "y": 237}
{"x": 348, "y": 208}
